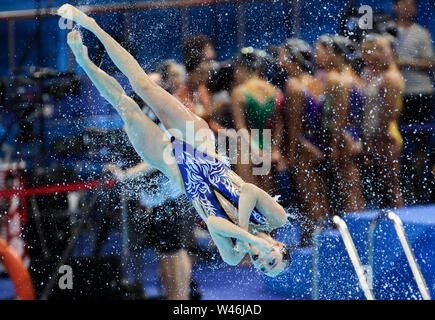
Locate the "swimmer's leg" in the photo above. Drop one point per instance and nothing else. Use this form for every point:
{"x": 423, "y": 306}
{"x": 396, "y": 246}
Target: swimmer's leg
{"x": 388, "y": 167}
{"x": 172, "y": 113}
{"x": 176, "y": 269}
{"x": 147, "y": 138}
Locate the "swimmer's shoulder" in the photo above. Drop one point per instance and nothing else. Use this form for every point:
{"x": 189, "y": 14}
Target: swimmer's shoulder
{"x": 338, "y": 80}
{"x": 238, "y": 92}
{"x": 392, "y": 78}
{"x": 296, "y": 86}
{"x": 260, "y": 88}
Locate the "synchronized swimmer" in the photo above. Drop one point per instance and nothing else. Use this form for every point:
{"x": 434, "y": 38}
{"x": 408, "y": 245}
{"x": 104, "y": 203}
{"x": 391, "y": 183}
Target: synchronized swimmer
{"x": 238, "y": 215}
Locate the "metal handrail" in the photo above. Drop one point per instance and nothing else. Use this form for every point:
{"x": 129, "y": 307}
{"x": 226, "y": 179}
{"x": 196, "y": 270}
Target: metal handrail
{"x": 315, "y": 265}
{"x": 398, "y": 226}
{"x": 370, "y": 236}
{"x": 124, "y": 235}
{"x": 353, "y": 255}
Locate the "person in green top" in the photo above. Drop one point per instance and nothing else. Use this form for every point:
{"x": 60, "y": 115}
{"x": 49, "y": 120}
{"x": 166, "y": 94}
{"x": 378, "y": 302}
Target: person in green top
{"x": 258, "y": 115}
{"x": 256, "y": 108}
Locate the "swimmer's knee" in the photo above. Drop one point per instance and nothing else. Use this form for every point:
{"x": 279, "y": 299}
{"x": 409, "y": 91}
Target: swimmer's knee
{"x": 212, "y": 222}
{"x": 281, "y": 219}
{"x": 248, "y": 188}
{"x": 127, "y": 108}
{"x": 141, "y": 83}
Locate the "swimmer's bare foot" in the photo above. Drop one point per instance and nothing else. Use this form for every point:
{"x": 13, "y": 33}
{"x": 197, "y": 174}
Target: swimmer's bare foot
{"x": 70, "y": 12}
{"x": 76, "y": 44}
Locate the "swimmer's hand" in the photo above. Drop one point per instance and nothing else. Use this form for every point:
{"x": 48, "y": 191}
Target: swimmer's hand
{"x": 116, "y": 171}
{"x": 241, "y": 247}
{"x": 264, "y": 245}
{"x": 75, "y": 42}
{"x": 70, "y": 12}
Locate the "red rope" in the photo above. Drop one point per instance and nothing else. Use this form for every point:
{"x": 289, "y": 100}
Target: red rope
{"x": 38, "y": 191}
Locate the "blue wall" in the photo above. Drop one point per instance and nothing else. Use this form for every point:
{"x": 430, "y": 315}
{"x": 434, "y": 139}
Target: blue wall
{"x": 156, "y": 34}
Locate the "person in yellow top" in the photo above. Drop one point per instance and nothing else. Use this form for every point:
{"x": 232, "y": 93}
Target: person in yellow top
{"x": 383, "y": 88}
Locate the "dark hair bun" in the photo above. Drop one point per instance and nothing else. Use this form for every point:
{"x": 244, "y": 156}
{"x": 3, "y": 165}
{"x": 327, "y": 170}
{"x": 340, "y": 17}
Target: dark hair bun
{"x": 252, "y": 59}
{"x": 193, "y": 51}
{"x": 286, "y": 256}
{"x": 300, "y": 51}
{"x": 340, "y": 45}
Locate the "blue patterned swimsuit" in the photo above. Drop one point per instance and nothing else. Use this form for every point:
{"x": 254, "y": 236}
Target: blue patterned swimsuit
{"x": 211, "y": 184}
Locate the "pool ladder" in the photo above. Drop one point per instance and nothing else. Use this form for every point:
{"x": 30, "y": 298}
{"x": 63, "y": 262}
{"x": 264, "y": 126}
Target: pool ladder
{"x": 356, "y": 262}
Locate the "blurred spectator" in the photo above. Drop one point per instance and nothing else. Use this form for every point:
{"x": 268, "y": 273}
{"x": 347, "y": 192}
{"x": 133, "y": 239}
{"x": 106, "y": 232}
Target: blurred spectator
{"x": 198, "y": 51}
{"x": 382, "y": 142}
{"x": 303, "y": 105}
{"x": 275, "y": 73}
{"x": 415, "y": 58}
{"x": 341, "y": 137}
{"x": 257, "y": 105}
{"x": 220, "y": 85}
{"x": 172, "y": 75}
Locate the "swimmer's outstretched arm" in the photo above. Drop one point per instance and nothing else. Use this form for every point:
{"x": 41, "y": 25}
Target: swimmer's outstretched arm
{"x": 222, "y": 230}
{"x": 140, "y": 170}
